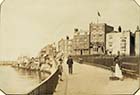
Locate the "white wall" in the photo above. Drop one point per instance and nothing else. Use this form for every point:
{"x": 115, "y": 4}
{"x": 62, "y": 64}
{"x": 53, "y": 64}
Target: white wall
{"x": 137, "y": 43}
{"x": 116, "y": 42}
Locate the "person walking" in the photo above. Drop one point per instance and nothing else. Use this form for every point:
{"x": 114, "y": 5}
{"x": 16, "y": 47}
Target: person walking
{"x": 70, "y": 64}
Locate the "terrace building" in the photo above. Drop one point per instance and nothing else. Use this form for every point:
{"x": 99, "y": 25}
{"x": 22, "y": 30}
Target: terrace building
{"x": 65, "y": 46}
{"x": 81, "y": 42}
{"x": 120, "y": 41}
{"x": 50, "y": 49}
{"x": 98, "y": 33}
{"x": 61, "y": 45}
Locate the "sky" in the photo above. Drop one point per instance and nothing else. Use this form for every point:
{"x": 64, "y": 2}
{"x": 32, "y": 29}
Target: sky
{"x": 29, "y": 25}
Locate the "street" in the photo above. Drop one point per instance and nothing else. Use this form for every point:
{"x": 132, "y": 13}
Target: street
{"x": 91, "y": 80}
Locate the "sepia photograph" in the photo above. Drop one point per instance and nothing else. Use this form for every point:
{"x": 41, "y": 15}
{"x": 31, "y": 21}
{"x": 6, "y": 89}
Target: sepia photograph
{"x": 69, "y": 47}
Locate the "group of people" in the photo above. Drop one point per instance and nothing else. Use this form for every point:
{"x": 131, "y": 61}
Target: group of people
{"x": 116, "y": 72}
{"x": 70, "y": 66}
{"x": 40, "y": 63}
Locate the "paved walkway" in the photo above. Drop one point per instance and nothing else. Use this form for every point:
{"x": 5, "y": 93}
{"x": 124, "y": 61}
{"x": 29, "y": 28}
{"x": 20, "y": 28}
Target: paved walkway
{"x": 91, "y": 80}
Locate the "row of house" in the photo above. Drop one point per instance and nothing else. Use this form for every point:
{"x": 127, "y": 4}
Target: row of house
{"x": 50, "y": 49}
{"x": 120, "y": 41}
{"x": 65, "y": 46}
{"x": 101, "y": 39}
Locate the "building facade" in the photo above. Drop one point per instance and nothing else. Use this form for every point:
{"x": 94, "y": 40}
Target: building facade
{"x": 81, "y": 42}
{"x": 65, "y": 46}
{"x": 61, "y": 46}
{"x": 50, "y": 49}
{"x": 69, "y": 47}
{"x": 98, "y": 37}
{"x": 120, "y": 41}
{"x": 137, "y": 42}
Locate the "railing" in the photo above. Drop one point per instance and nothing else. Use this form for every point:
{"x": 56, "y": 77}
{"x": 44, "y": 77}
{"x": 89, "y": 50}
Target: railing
{"x": 47, "y": 87}
{"x": 132, "y": 66}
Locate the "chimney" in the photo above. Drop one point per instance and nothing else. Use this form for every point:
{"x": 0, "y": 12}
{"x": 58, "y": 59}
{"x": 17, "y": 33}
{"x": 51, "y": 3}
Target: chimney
{"x": 75, "y": 29}
{"x": 119, "y": 29}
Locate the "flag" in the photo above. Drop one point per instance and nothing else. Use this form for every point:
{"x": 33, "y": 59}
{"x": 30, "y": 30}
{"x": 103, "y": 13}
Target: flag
{"x": 99, "y": 14}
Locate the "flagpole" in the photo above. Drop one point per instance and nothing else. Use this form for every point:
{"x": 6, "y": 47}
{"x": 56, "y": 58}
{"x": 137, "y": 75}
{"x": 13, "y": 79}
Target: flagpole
{"x": 98, "y": 15}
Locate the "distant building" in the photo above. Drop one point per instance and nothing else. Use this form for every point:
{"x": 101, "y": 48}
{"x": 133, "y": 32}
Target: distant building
{"x": 61, "y": 46}
{"x": 98, "y": 37}
{"x": 69, "y": 47}
{"x": 65, "y": 46}
{"x": 120, "y": 41}
{"x": 81, "y": 42}
{"x": 50, "y": 49}
{"x": 137, "y": 42}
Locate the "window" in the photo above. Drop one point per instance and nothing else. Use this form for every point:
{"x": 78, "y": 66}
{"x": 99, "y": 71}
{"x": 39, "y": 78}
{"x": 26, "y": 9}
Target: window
{"x": 123, "y": 37}
{"x": 110, "y": 44}
{"x": 93, "y": 35}
{"x": 100, "y": 27}
{"x": 85, "y": 40}
{"x": 110, "y": 37}
{"x": 100, "y": 34}
{"x": 123, "y": 40}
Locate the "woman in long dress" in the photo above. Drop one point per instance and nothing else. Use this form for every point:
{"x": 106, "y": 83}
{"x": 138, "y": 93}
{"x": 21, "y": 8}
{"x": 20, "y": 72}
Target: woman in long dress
{"x": 118, "y": 70}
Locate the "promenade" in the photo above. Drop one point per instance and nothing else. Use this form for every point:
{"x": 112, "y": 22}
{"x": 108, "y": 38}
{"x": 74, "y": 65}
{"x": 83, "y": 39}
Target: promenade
{"x": 91, "y": 80}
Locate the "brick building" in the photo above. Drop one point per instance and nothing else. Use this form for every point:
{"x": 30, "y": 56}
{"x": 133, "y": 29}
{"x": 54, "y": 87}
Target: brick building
{"x": 81, "y": 42}
{"x": 97, "y": 32}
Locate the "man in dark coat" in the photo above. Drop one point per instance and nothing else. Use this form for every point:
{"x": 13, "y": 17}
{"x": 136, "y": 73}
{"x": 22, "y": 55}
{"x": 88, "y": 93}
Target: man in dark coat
{"x": 70, "y": 64}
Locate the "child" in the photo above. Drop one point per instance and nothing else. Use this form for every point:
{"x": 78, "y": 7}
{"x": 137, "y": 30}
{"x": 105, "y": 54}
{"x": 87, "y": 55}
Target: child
{"x": 60, "y": 69}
